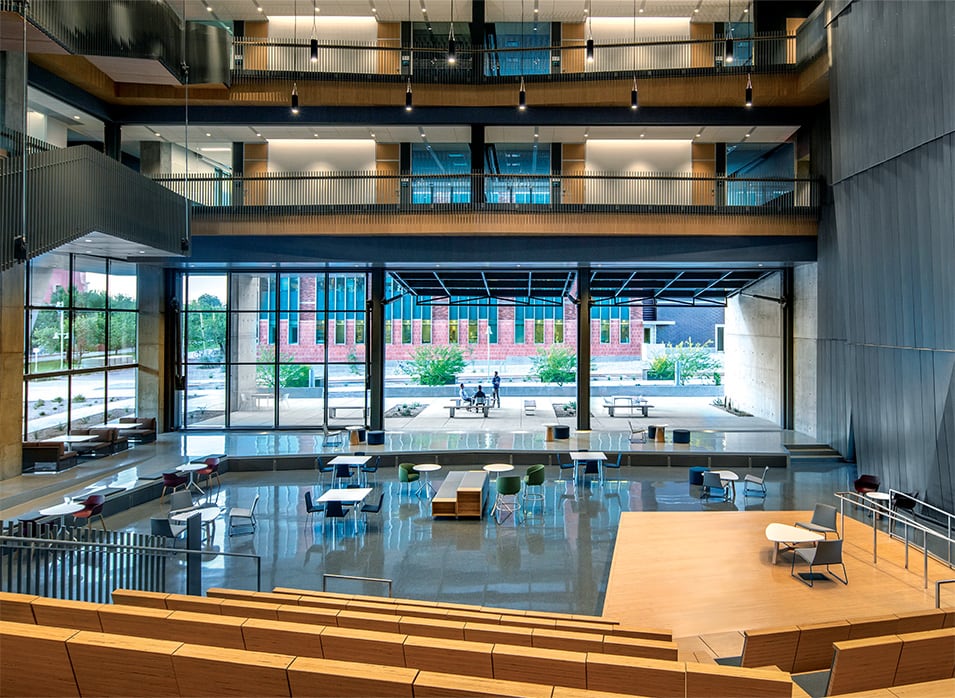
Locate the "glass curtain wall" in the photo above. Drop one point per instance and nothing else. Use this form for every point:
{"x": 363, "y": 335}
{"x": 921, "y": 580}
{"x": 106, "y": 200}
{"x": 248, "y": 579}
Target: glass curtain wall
{"x": 81, "y": 351}
{"x": 616, "y": 364}
{"x": 273, "y": 349}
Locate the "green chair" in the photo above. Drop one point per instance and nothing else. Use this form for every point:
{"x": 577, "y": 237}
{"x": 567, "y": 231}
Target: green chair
{"x": 406, "y": 475}
{"x": 508, "y": 500}
{"x": 535, "y": 477}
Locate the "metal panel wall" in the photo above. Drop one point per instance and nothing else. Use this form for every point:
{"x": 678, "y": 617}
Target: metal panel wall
{"x": 886, "y": 285}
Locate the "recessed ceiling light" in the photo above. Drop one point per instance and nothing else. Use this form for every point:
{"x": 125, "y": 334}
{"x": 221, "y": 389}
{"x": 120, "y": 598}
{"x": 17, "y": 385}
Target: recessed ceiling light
{"x": 88, "y": 240}
{"x": 76, "y": 116}
{"x": 699, "y": 134}
{"x": 157, "y": 134}
{"x": 258, "y": 135}
{"x": 745, "y": 135}
{"x": 142, "y": 252}
{"x": 208, "y": 135}
{"x": 259, "y": 8}
{"x": 315, "y": 134}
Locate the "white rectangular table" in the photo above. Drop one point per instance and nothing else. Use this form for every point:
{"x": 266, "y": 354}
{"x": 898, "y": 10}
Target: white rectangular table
{"x": 118, "y": 425}
{"x": 351, "y": 462}
{"x": 68, "y": 439}
{"x": 585, "y": 456}
{"x": 347, "y": 495}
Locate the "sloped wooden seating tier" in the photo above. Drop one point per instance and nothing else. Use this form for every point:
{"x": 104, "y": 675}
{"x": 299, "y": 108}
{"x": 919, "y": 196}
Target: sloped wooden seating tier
{"x": 891, "y": 660}
{"x": 809, "y": 647}
{"x": 451, "y": 611}
{"x": 71, "y": 662}
{"x": 239, "y": 656}
{"x": 488, "y": 633}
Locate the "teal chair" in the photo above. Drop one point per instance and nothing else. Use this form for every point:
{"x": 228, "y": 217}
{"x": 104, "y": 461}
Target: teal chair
{"x": 406, "y": 475}
{"x": 508, "y": 498}
{"x": 534, "y": 478}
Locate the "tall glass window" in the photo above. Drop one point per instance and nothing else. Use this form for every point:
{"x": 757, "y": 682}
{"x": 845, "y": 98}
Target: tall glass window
{"x": 473, "y": 317}
{"x": 81, "y": 344}
{"x": 257, "y": 352}
{"x": 519, "y": 173}
{"x": 452, "y": 161}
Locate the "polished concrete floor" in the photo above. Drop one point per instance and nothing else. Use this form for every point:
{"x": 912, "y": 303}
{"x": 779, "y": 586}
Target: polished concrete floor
{"x": 557, "y": 558}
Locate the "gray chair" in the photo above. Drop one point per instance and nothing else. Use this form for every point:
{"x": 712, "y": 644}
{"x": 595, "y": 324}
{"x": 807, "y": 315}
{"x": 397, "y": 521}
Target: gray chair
{"x": 332, "y": 437}
{"x": 713, "y": 487}
{"x": 637, "y": 434}
{"x": 757, "y": 480}
{"x": 162, "y": 526}
{"x": 238, "y": 515}
{"x": 180, "y": 501}
{"x": 825, "y": 552}
{"x": 823, "y": 520}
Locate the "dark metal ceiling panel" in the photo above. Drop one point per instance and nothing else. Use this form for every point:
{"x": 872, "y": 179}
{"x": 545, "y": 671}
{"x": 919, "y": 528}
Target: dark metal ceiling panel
{"x": 670, "y": 286}
{"x": 467, "y": 287}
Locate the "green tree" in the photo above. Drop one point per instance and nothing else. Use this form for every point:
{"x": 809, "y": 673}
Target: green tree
{"x": 291, "y": 375}
{"x": 695, "y": 360}
{"x": 555, "y": 364}
{"x": 206, "y": 328}
{"x": 435, "y": 365}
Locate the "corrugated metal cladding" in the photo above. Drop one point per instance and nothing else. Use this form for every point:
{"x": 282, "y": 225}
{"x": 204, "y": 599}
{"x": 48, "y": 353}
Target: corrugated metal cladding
{"x": 886, "y": 276}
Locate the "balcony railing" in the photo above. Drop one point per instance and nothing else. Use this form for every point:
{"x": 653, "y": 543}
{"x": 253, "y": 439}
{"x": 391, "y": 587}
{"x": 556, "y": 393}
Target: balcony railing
{"x": 365, "y": 192}
{"x": 386, "y": 59}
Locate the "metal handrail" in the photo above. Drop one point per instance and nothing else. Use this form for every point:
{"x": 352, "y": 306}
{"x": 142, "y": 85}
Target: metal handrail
{"x": 948, "y": 519}
{"x": 938, "y": 590}
{"x": 56, "y": 543}
{"x": 881, "y": 510}
{"x": 353, "y": 578}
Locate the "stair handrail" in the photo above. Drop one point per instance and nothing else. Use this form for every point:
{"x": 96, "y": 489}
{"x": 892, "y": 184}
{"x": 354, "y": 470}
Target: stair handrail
{"x": 878, "y": 509}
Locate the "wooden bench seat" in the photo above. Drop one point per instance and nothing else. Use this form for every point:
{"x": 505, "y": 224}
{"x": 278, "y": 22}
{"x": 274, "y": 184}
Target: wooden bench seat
{"x": 329, "y": 678}
{"x": 430, "y": 684}
{"x": 864, "y": 664}
{"x": 35, "y": 660}
{"x": 106, "y": 664}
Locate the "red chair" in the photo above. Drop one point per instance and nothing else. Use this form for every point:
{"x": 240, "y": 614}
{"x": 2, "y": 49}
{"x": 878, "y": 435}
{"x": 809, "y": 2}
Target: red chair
{"x": 867, "y": 483}
{"x": 211, "y": 469}
{"x": 93, "y": 506}
{"x": 173, "y": 481}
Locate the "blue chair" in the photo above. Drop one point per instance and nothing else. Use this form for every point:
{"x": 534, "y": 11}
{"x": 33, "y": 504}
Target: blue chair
{"x": 371, "y": 467}
{"x": 311, "y": 508}
{"x": 343, "y": 473}
{"x": 323, "y": 469}
{"x": 569, "y": 465}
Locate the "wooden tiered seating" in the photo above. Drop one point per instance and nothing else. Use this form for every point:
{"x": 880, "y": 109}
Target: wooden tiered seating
{"x": 236, "y": 656}
{"x": 386, "y": 621}
{"x": 809, "y": 647}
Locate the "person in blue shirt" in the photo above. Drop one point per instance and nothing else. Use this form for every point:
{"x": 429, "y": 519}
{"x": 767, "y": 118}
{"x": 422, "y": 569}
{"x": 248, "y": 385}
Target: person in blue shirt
{"x": 464, "y": 397}
{"x": 496, "y": 390}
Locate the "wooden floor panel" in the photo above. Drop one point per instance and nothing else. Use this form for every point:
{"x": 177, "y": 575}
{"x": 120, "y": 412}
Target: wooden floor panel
{"x": 711, "y": 572}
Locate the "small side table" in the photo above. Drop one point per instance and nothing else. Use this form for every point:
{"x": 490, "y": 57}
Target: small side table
{"x": 498, "y": 468}
{"x": 426, "y": 469}
{"x": 356, "y": 434}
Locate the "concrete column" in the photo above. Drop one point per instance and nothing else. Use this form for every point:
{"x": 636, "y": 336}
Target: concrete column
{"x": 805, "y": 348}
{"x": 113, "y": 140}
{"x": 150, "y": 397}
{"x": 155, "y": 157}
{"x": 786, "y": 350}
{"x": 13, "y": 91}
{"x": 583, "y": 348}
{"x": 11, "y": 370}
{"x": 376, "y": 350}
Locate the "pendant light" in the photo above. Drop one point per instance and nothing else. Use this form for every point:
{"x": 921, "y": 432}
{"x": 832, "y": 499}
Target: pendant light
{"x": 634, "y": 96}
{"x": 522, "y": 94}
{"x": 408, "y": 96}
{"x": 589, "y": 51}
{"x": 452, "y": 49}
{"x": 313, "y": 43}
{"x": 295, "y": 59}
{"x": 728, "y": 51}
{"x": 749, "y": 90}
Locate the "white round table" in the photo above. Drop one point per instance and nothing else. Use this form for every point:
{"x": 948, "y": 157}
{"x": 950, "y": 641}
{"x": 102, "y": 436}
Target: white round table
{"x": 730, "y": 477}
{"x": 192, "y": 469}
{"x": 498, "y": 468}
{"x": 63, "y": 510}
{"x": 789, "y": 536}
{"x": 208, "y": 516}
{"x": 426, "y": 469}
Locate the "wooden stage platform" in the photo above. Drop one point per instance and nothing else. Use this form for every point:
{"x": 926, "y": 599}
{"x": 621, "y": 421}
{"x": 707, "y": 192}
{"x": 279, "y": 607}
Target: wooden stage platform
{"x": 710, "y": 574}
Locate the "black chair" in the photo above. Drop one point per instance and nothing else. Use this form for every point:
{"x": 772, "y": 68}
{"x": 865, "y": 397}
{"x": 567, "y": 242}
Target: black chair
{"x": 334, "y": 509}
{"x": 371, "y": 467}
{"x": 367, "y": 509}
{"x": 343, "y": 473}
{"x": 323, "y": 468}
{"x": 867, "y": 483}
{"x": 905, "y": 502}
{"x": 311, "y": 508}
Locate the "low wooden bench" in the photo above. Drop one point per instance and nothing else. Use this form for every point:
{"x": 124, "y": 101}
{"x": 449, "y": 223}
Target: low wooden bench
{"x": 629, "y": 405}
{"x": 461, "y": 494}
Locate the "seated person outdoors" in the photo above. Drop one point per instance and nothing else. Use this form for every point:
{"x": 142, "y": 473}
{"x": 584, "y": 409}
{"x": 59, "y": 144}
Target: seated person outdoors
{"x": 464, "y": 397}
{"x": 480, "y": 398}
